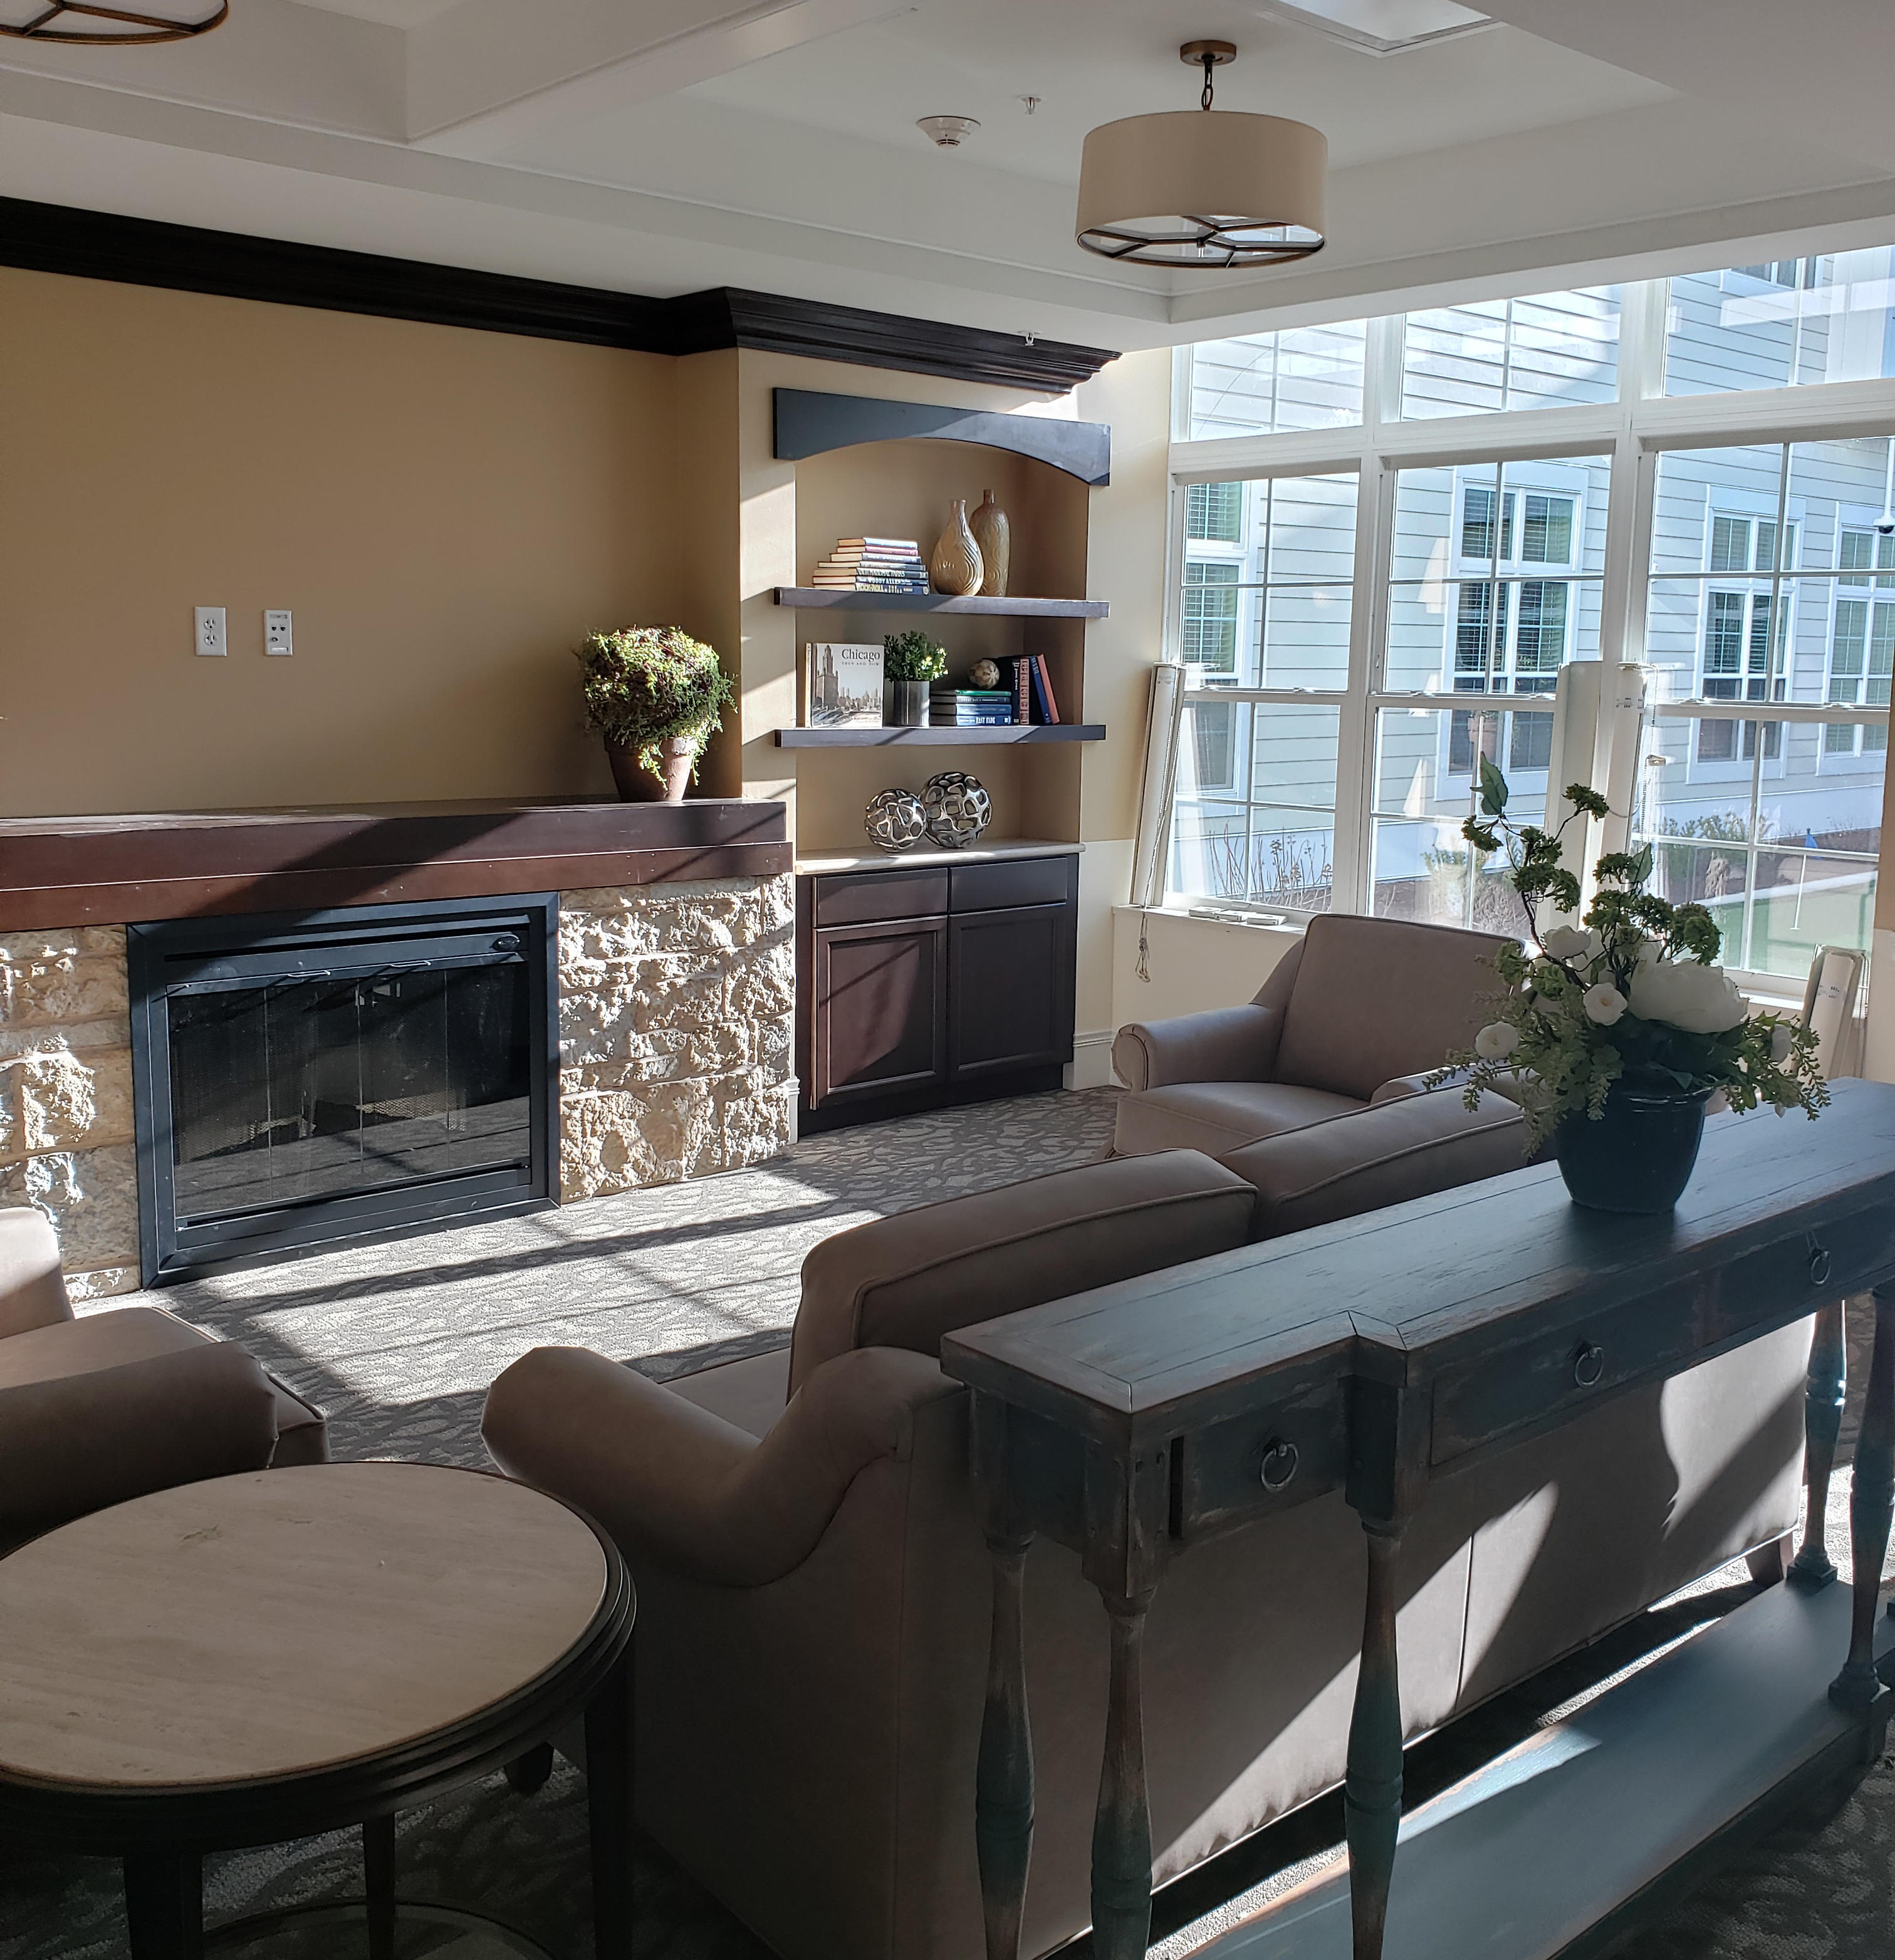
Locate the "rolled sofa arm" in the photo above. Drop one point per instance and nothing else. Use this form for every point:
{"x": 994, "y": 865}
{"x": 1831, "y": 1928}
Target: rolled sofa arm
{"x": 1226, "y": 1044}
{"x": 1410, "y": 1146}
{"x": 32, "y": 1289}
{"x": 76, "y": 1443}
{"x": 699, "y": 1495}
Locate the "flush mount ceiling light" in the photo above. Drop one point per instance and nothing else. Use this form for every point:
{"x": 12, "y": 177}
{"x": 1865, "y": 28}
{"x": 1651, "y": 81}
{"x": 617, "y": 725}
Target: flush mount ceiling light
{"x": 947, "y": 131}
{"x": 81, "y": 24}
{"x": 1203, "y": 188}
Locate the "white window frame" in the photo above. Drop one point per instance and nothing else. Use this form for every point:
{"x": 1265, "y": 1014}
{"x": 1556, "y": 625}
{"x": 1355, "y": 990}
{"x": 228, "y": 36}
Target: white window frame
{"x": 1632, "y": 432}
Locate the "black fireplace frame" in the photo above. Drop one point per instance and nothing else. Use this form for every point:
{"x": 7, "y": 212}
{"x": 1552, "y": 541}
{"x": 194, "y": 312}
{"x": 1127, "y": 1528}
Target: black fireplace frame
{"x": 173, "y": 954}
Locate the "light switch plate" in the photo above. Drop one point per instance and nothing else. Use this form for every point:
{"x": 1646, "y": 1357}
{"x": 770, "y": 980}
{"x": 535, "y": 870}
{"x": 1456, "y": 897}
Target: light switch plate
{"x": 211, "y": 638}
{"x": 276, "y": 634}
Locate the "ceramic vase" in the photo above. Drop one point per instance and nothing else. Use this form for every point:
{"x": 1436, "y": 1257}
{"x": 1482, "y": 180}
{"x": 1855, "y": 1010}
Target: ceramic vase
{"x": 637, "y": 784}
{"x": 1638, "y": 1156}
{"x": 994, "y": 535}
{"x": 904, "y": 704}
{"x": 954, "y": 565}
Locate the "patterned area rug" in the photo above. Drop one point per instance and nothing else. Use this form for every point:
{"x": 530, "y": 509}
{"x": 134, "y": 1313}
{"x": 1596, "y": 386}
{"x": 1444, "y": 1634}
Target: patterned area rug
{"x": 398, "y": 1343}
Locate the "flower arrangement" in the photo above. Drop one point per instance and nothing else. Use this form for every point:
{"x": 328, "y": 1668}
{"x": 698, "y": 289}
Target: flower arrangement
{"x": 912, "y": 656}
{"x": 646, "y": 686}
{"x": 1631, "y": 998}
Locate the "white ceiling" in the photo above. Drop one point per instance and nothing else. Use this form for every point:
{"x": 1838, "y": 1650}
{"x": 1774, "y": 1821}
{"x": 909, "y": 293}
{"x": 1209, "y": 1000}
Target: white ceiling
{"x": 662, "y": 146}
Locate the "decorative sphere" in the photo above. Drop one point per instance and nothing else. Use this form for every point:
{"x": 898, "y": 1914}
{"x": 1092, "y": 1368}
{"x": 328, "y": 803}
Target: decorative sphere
{"x": 895, "y": 819}
{"x": 985, "y": 674}
{"x": 958, "y": 808}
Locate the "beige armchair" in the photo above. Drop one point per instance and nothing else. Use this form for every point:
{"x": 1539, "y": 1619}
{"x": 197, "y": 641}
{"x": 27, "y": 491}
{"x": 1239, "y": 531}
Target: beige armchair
{"x": 131, "y": 1399}
{"x": 1357, "y": 1014}
{"x": 813, "y": 1591}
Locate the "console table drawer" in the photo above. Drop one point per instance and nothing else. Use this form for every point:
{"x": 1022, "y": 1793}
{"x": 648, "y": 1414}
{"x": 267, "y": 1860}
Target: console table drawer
{"x": 1235, "y": 1471}
{"x": 876, "y": 895}
{"x": 1489, "y": 1399}
{"x": 1009, "y": 881}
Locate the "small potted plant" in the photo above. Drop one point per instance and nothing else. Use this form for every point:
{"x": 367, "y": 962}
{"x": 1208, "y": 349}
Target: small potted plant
{"x": 1618, "y": 1035}
{"x": 910, "y": 661}
{"x": 657, "y": 696}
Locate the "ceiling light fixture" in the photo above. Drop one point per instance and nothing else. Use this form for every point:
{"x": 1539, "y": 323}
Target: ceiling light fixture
{"x": 81, "y": 24}
{"x": 1179, "y": 189}
{"x": 945, "y": 131}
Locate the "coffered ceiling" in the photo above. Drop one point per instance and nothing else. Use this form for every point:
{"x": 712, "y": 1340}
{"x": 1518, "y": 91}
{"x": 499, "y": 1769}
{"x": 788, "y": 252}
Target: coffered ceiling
{"x": 664, "y": 146}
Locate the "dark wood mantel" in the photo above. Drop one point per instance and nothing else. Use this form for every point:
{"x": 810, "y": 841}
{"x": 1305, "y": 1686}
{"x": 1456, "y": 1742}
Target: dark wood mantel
{"x": 112, "y": 871}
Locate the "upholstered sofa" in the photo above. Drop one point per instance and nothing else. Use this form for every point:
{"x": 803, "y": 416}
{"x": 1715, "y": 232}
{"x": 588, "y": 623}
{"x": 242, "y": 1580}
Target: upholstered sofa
{"x": 123, "y": 1402}
{"x": 1357, "y": 1013}
{"x": 814, "y": 1594}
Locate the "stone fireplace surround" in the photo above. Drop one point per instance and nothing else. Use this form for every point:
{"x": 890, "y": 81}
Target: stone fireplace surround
{"x": 676, "y": 969}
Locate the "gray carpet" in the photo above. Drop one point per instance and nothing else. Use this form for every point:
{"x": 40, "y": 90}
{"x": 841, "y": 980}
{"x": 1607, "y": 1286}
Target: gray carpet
{"x": 398, "y": 1342}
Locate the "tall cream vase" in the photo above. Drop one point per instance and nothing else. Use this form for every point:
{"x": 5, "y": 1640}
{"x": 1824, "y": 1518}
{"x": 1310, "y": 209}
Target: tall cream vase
{"x": 994, "y": 535}
{"x": 954, "y": 565}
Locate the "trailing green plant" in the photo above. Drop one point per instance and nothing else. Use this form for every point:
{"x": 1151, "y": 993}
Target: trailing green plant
{"x": 646, "y": 685}
{"x": 912, "y": 656}
{"x": 1630, "y": 995}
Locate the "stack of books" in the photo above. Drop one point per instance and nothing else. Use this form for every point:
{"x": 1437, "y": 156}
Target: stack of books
{"x": 873, "y": 565}
{"x": 970, "y": 708}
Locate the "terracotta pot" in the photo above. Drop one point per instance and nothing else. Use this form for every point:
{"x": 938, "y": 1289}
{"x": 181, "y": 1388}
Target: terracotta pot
{"x": 639, "y": 785}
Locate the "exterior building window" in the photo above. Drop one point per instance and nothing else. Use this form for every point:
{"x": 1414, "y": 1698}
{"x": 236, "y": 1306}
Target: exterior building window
{"x": 1210, "y": 616}
{"x": 1214, "y": 513}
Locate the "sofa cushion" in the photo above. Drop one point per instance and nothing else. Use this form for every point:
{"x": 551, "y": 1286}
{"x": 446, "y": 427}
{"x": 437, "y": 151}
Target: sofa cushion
{"x": 905, "y": 1282}
{"x": 1218, "y": 1117}
{"x": 1409, "y": 1147}
{"x": 122, "y": 1335}
{"x": 1376, "y": 998}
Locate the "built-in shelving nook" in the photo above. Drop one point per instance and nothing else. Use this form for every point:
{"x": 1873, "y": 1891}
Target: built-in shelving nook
{"x": 892, "y": 470}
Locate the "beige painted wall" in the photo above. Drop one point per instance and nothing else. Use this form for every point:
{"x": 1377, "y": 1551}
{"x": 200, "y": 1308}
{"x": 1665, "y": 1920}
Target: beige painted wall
{"x": 445, "y": 512}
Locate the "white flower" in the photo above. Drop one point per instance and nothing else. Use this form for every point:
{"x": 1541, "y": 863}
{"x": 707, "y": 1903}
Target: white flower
{"x": 1779, "y": 1043}
{"x": 1565, "y": 942}
{"x": 1496, "y": 1041}
{"x": 1604, "y": 1003}
{"x": 1699, "y": 1000}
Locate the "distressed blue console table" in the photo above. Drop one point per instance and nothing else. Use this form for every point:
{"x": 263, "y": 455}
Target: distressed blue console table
{"x": 1129, "y": 1422}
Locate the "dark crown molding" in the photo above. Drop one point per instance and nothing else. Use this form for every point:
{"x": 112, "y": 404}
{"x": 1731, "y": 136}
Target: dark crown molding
{"x": 141, "y": 252}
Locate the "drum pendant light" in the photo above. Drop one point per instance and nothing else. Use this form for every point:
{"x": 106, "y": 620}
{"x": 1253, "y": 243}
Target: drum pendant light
{"x": 84, "y": 24}
{"x": 1203, "y": 188}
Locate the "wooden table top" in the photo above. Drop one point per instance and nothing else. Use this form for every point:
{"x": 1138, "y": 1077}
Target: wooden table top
{"x": 277, "y": 1622}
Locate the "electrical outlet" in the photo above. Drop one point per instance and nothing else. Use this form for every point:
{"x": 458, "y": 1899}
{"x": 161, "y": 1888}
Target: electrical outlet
{"x": 211, "y": 638}
{"x": 276, "y": 635}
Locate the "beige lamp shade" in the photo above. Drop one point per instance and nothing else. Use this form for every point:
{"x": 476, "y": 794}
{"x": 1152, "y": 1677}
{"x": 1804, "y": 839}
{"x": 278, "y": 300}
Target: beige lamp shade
{"x": 1203, "y": 187}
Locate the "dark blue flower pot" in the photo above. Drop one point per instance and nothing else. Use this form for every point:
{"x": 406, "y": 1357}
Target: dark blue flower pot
{"x": 1638, "y": 1156}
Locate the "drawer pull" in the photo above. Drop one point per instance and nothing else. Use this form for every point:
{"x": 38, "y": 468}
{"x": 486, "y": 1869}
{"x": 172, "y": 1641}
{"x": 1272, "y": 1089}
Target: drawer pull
{"x": 1588, "y": 1364}
{"x": 1279, "y": 1465}
{"x": 1819, "y": 1263}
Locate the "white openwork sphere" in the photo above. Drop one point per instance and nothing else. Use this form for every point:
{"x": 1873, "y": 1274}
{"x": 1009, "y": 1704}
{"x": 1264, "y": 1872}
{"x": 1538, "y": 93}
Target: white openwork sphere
{"x": 958, "y": 807}
{"x": 895, "y": 819}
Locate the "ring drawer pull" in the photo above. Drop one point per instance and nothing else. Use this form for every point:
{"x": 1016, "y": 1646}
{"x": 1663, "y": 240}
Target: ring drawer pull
{"x": 1588, "y": 1364}
{"x": 1279, "y": 1465}
{"x": 1819, "y": 1263}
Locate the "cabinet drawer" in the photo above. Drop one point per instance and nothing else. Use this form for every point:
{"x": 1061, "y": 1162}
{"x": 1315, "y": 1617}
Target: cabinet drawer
{"x": 1012, "y": 881}
{"x": 880, "y": 895}
{"x": 1238, "y": 1470}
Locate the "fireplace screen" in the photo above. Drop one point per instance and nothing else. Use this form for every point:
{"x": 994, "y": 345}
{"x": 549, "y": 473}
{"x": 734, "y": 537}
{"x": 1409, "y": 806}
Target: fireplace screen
{"x": 309, "y": 1081}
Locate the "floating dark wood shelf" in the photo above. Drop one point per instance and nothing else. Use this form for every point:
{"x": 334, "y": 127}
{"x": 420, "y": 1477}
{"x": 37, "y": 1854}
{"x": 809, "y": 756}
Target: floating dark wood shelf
{"x": 869, "y": 738}
{"x": 812, "y": 598}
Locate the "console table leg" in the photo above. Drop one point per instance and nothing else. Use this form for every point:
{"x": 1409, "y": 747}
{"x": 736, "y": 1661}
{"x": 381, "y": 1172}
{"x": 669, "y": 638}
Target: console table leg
{"x": 1122, "y": 1824}
{"x": 165, "y": 1906}
{"x": 608, "y": 1768}
{"x": 1821, "y": 1423}
{"x": 1372, "y": 1799}
{"x": 1858, "y": 1685}
{"x": 378, "y": 1885}
{"x": 1003, "y": 1784}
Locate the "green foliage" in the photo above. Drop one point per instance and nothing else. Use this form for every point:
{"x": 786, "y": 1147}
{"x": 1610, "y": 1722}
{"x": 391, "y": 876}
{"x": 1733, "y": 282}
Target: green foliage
{"x": 1568, "y": 1027}
{"x": 644, "y": 685}
{"x": 912, "y": 656}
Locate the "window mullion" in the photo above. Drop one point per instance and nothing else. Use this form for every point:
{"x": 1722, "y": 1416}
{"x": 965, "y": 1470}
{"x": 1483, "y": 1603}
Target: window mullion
{"x": 1367, "y": 644}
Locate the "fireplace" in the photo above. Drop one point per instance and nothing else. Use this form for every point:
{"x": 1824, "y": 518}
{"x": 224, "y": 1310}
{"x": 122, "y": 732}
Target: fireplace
{"x": 303, "y": 1080}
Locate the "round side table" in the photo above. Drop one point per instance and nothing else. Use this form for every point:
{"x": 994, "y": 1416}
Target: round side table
{"x": 273, "y": 1655}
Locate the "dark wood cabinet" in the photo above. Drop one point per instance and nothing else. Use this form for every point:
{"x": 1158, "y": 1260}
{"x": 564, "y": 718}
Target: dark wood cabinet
{"x": 917, "y": 988}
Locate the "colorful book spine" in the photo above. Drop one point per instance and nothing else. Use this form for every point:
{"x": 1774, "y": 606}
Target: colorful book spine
{"x": 1042, "y": 680}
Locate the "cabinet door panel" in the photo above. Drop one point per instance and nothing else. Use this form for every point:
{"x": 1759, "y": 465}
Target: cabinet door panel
{"x": 1011, "y": 985}
{"x": 881, "y": 1007}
